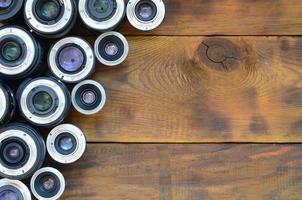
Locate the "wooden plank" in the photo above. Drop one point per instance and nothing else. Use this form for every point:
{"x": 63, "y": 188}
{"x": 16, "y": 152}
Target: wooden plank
{"x": 201, "y": 89}
{"x": 225, "y": 17}
{"x": 181, "y": 172}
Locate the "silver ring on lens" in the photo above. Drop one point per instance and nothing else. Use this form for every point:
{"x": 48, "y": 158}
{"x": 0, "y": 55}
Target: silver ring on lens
{"x": 145, "y": 18}
{"x": 13, "y": 189}
{"x": 78, "y": 142}
{"x": 54, "y": 28}
{"x": 92, "y": 87}
{"x": 78, "y": 75}
{"x": 109, "y": 23}
{"x": 28, "y": 45}
{"x": 55, "y": 90}
{"x": 100, "y": 48}
{"x": 55, "y": 179}
{"x": 7, "y": 104}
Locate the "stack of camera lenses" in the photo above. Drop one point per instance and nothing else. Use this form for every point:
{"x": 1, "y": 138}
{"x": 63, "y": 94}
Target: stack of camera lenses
{"x": 42, "y": 96}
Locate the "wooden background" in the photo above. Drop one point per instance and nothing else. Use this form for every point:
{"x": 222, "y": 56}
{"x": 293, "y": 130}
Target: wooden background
{"x": 207, "y": 106}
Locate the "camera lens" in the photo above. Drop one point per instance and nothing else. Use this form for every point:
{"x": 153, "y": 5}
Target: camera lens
{"x": 20, "y": 53}
{"x": 43, "y": 101}
{"x": 7, "y": 104}
{"x": 13, "y": 190}
{"x": 111, "y": 48}
{"x": 66, "y": 143}
{"x": 22, "y": 151}
{"x": 9, "y": 9}
{"x": 88, "y": 97}
{"x": 51, "y": 18}
{"x": 47, "y": 183}
{"x": 102, "y": 15}
{"x": 71, "y": 59}
{"x": 145, "y": 14}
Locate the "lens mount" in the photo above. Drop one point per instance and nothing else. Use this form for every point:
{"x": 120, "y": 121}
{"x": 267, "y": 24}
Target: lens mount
{"x": 86, "y": 69}
{"x": 96, "y": 89}
{"x": 72, "y": 154}
{"x": 26, "y": 140}
{"x": 11, "y": 11}
{"x": 13, "y": 189}
{"x": 51, "y": 28}
{"x": 51, "y": 188}
{"x": 30, "y": 53}
{"x": 97, "y": 21}
{"x": 7, "y": 105}
{"x": 147, "y": 21}
{"x": 52, "y": 114}
{"x": 119, "y": 43}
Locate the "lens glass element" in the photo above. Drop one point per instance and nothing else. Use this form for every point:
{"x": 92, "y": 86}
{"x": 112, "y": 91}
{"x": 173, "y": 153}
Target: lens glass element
{"x": 101, "y": 6}
{"x": 50, "y": 9}
{"x": 48, "y": 183}
{"x": 42, "y": 101}
{"x": 5, "y": 4}
{"x": 111, "y": 49}
{"x": 8, "y": 195}
{"x": 12, "y": 152}
{"x": 145, "y": 10}
{"x": 71, "y": 59}
{"x": 11, "y": 51}
{"x": 66, "y": 143}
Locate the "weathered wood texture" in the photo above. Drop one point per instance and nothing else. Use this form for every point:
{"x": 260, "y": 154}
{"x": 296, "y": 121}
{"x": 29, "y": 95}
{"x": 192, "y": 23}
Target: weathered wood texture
{"x": 225, "y": 17}
{"x": 186, "y": 172}
{"x": 202, "y": 89}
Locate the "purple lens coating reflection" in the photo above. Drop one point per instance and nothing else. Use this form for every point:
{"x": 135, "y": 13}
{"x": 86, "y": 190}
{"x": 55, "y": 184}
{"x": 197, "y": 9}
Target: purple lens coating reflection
{"x": 71, "y": 59}
{"x": 8, "y": 195}
{"x": 5, "y": 3}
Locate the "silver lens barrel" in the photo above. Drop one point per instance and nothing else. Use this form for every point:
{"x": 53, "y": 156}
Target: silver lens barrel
{"x": 145, "y": 15}
{"x": 54, "y": 27}
{"x": 13, "y": 189}
{"x": 47, "y": 184}
{"x": 22, "y": 151}
{"x": 111, "y": 48}
{"x": 88, "y": 97}
{"x": 111, "y": 15}
{"x": 71, "y": 59}
{"x": 43, "y": 101}
{"x": 7, "y": 104}
{"x": 66, "y": 143}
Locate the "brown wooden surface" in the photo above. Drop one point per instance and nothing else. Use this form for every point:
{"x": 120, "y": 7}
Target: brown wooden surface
{"x": 186, "y": 172}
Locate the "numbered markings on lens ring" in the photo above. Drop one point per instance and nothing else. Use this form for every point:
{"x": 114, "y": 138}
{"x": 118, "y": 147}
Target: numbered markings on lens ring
{"x": 13, "y": 190}
{"x": 47, "y": 183}
{"x": 71, "y": 59}
{"x": 145, "y": 15}
{"x": 102, "y": 15}
{"x": 44, "y": 101}
{"x": 111, "y": 48}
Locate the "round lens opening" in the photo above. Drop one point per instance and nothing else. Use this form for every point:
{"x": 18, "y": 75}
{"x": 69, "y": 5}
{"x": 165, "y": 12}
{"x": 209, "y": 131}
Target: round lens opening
{"x": 49, "y": 9}
{"x": 71, "y": 59}
{"x": 13, "y": 153}
{"x": 8, "y": 195}
{"x": 5, "y": 3}
{"x": 42, "y": 101}
{"x": 48, "y": 183}
{"x": 11, "y": 51}
{"x": 111, "y": 49}
{"x": 89, "y": 97}
{"x": 66, "y": 143}
{"x": 145, "y": 10}
{"x": 101, "y": 6}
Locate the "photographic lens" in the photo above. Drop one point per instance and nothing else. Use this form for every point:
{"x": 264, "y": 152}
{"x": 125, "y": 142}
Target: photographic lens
{"x": 66, "y": 143}
{"x": 145, "y": 14}
{"x": 22, "y": 151}
{"x": 88, "y": 97}
{"x": 111, "y": 48}
{"x": 102, "y": 15}
{"x": 13, "y": 190}
{"x": 47, "y": 183}
{"x": 20, "y": 54}
{"x": 71, "y": 59}
{"x": 50, "y": 18}
{"x": 7, "y": 104}
{"x": 10, "y": 9}
{"x": 43, "y": 101}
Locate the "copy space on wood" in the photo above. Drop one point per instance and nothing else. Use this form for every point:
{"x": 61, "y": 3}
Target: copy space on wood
{"x": 181, "y": 172}
{"x": 201, "y": 89}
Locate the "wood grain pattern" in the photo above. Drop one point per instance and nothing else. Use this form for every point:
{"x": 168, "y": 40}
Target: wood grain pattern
{"x": 182, "y": 172}
{"x": 225, "y": 17}
{"x": 202, "y": 89}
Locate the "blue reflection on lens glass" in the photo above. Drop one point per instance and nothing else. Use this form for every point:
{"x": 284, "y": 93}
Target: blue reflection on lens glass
{"x": 71, "y": 59}
{"x": 5, "y": 3}
{"x": 66, "y": 143}
{"x": 8, "y": 195}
